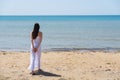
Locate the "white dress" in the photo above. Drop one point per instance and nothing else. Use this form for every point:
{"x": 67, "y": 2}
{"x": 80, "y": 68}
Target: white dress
{"x": 35, "y": 56}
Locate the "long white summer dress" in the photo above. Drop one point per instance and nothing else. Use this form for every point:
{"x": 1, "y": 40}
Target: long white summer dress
{"x": 35, "y": 56}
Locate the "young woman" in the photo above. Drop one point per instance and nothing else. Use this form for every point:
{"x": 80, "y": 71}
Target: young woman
{"x": 36, "y": 39}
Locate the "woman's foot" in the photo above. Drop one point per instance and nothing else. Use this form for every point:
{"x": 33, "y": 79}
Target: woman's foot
{"x": 39, "y": 70}
{"x": 32, "y": 73}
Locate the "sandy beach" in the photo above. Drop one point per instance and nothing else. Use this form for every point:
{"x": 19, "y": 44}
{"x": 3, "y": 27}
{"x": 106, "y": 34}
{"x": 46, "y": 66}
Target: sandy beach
{"x": 60, "y": 65}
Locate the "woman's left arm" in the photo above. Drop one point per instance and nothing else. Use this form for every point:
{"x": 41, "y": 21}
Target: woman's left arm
{"x": 41, "y": 36}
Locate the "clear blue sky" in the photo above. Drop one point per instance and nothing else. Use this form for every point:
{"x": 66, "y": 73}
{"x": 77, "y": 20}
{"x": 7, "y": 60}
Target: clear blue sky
{"x": 59, "y": 7}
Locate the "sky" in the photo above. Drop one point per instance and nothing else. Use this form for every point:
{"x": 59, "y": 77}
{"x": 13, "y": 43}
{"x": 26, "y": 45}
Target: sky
{"x": 59, "y": 7}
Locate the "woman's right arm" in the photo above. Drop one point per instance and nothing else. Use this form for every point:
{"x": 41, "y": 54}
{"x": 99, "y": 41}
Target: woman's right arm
{"x": 33, "y": 48}
{"x": 31, "y": 40}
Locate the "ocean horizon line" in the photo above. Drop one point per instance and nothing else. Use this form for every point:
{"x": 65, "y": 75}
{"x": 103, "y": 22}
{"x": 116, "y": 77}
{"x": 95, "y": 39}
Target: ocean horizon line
{"x": 63, "y": 15}
{"x": 59, "y": 17}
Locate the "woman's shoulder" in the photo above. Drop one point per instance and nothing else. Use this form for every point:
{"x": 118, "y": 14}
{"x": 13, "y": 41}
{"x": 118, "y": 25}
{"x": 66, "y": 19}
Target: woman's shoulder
{"x": 40, "y": 33}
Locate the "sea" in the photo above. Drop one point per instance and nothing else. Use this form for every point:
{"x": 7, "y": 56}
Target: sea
{"x": 61, "y": 32}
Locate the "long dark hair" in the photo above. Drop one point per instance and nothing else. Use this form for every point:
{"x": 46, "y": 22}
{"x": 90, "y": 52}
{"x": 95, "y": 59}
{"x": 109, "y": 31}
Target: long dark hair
{"x": 35, "y": 30}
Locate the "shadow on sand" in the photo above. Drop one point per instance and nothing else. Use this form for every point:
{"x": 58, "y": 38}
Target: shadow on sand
{"x": 45, "y": 73}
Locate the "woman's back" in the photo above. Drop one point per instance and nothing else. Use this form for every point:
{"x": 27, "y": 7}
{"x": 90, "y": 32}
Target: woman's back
{"x": 36, "y": 41}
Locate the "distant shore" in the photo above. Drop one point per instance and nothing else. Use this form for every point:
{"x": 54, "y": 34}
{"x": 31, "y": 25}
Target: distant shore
{"x": 62, "y": 65}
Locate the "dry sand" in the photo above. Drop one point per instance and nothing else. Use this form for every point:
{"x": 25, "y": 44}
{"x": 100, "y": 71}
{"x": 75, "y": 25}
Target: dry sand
{"x": 72, "y": 65}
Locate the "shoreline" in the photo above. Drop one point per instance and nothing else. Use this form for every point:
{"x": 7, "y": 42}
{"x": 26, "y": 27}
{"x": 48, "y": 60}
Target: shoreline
{"x": 69, "y": 50}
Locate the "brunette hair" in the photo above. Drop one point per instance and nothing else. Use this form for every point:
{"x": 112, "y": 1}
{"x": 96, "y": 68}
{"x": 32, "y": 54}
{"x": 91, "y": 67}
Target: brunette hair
{"x": 35, "y": 30}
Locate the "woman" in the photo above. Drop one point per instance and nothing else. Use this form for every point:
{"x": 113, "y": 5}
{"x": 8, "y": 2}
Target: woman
{"x": 36, "y": 39}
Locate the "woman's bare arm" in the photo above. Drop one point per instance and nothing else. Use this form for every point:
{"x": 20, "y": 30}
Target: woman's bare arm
{"x": 31, "y": 40}
{"x": 41, "y": 36}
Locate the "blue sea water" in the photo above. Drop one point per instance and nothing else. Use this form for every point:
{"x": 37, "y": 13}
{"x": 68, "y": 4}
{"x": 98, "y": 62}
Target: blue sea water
{"x": 61, "y": 32}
